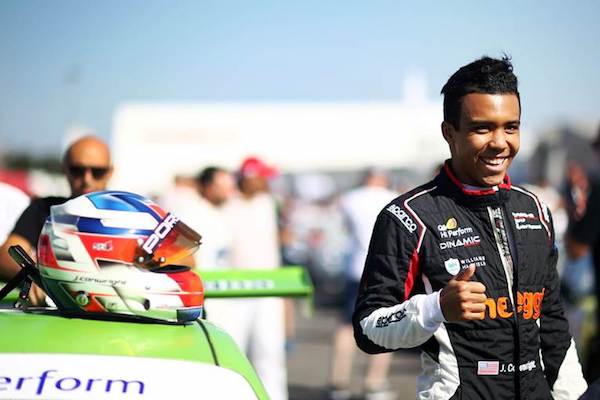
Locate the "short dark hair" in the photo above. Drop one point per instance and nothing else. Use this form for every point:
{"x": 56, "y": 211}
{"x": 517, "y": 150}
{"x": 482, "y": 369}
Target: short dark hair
{"x": 207, "y": 175}
{"x": 486, "y": 75}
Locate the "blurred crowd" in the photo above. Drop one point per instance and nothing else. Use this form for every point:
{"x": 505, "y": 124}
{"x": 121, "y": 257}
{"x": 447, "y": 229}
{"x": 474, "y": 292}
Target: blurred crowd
{"x": 258, "y": 217}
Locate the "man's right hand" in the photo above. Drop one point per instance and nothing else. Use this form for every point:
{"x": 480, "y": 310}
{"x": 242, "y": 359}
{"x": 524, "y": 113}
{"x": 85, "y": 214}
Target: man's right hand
{"x": 462, "y": 300}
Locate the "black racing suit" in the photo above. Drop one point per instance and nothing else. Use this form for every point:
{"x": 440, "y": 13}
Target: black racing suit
{"x": 420, "y": 241}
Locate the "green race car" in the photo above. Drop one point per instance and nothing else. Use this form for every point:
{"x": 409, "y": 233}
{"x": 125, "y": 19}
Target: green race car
{"x": 48, "y": 355}
{"x": 126, "y": 321}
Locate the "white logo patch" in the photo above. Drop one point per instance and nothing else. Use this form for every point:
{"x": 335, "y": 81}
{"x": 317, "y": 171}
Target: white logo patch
{"x": 452, "y": 266}
{"x": 525, "y": 220}
{"x": 161, "y": 231}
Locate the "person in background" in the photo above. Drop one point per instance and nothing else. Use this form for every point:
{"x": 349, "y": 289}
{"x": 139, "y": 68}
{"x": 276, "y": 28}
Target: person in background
{"x": 257, "y": 325}
{"x": 184, "y": 190}
{"x": 12, "y": 203}
{"x": 583, "y": 237}
{"x": 360, "y": 207}
{"x": 201, "y": 205}
{"x": 87, "y": 166}
{"x": 217, "y": 186}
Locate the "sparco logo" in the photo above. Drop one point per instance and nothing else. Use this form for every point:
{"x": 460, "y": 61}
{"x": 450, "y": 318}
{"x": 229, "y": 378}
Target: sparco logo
{"x": 161, "y": 231}
{"x": 403, "y": 217}
{"x": 385, "y": 320}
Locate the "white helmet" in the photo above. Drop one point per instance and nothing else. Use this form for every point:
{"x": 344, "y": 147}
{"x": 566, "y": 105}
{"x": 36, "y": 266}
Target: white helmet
{"x": 113, "y": 252}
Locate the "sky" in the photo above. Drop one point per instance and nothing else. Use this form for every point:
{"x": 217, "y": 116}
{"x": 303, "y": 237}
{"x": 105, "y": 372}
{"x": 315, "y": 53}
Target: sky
{"x": 71, "y": 63}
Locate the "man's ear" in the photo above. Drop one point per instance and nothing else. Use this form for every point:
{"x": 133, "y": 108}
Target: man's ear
{"x": 448, "y": 132}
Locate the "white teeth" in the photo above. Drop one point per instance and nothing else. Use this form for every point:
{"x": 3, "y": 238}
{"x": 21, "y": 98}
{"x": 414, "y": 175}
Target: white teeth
{"x": 493, "y": 161}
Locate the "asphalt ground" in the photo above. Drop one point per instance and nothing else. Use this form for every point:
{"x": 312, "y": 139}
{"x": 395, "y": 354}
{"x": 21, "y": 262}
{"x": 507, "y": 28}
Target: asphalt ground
{"x": 310, "y": 358}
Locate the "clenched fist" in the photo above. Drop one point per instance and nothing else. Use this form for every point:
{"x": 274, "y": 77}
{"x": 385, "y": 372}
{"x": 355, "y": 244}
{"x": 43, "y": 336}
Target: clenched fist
{"x": 462, "y": 300}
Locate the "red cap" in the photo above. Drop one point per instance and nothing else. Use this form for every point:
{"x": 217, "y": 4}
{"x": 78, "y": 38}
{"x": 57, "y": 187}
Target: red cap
{"x": 255, "y": 167}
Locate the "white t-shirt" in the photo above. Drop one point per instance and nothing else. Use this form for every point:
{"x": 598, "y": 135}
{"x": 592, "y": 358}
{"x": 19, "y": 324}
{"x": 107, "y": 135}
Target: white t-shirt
{"x": 12, "y": 204}
{"x": 361, "y": 207}
{"x": 253, "y": 227}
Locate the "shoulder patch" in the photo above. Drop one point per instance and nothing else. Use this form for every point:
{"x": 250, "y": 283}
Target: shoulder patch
{"x": 542, "y": 211}
{"x": 404, "y": 218}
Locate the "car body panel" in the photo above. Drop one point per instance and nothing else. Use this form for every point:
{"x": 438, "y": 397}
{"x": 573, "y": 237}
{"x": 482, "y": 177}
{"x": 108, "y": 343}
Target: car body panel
{"x": 77, "y": 376}
{"x": 196, "y": 358}
{"x": 45, "y": 332}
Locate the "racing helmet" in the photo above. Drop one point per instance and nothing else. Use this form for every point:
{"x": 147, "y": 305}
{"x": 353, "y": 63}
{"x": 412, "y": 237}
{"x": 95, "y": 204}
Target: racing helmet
{"x": 115, "y": 252}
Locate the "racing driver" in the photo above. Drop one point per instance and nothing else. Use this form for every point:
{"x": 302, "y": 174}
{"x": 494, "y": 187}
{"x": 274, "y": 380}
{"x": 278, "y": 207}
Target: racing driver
{"x": 465, "y": 265}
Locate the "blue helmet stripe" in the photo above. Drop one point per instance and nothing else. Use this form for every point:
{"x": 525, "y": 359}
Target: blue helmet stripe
{"x": 122, "y": 201}
{"x": 139, "y": 203}
{"x": 110, "y": 201}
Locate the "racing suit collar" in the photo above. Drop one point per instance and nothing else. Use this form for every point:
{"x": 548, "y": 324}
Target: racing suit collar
{"x": 470, "y": 195}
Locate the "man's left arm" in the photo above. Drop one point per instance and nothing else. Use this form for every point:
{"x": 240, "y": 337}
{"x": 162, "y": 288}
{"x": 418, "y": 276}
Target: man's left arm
{"x": 559, "y": 355}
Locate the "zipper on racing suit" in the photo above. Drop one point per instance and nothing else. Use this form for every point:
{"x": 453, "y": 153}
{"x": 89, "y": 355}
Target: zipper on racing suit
{"x": 508, "y": 255}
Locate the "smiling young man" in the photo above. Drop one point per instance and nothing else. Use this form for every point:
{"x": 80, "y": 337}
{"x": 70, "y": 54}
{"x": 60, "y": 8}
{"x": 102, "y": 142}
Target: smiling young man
{"x": 465, "y": 265}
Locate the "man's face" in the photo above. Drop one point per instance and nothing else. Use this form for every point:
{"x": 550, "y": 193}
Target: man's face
{"x": 252, "y": 185}
{"x": 87, "y": 167}
{"x": 221, "y": 189}
{"x": 486, "y": 140}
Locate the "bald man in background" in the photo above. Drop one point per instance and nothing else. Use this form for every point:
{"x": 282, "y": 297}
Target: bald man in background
{"x": 88, "y": 168}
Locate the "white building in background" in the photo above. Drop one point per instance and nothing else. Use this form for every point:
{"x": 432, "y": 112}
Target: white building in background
{"x": 153, "y": 142}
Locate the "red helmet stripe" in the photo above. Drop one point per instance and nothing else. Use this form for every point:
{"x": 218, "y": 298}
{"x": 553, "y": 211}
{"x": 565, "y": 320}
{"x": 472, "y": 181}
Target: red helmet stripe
{"x": 191, "y": 287}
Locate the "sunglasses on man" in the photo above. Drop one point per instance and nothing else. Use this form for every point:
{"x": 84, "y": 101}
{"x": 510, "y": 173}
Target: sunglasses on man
{"x": 78, "y": 171}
